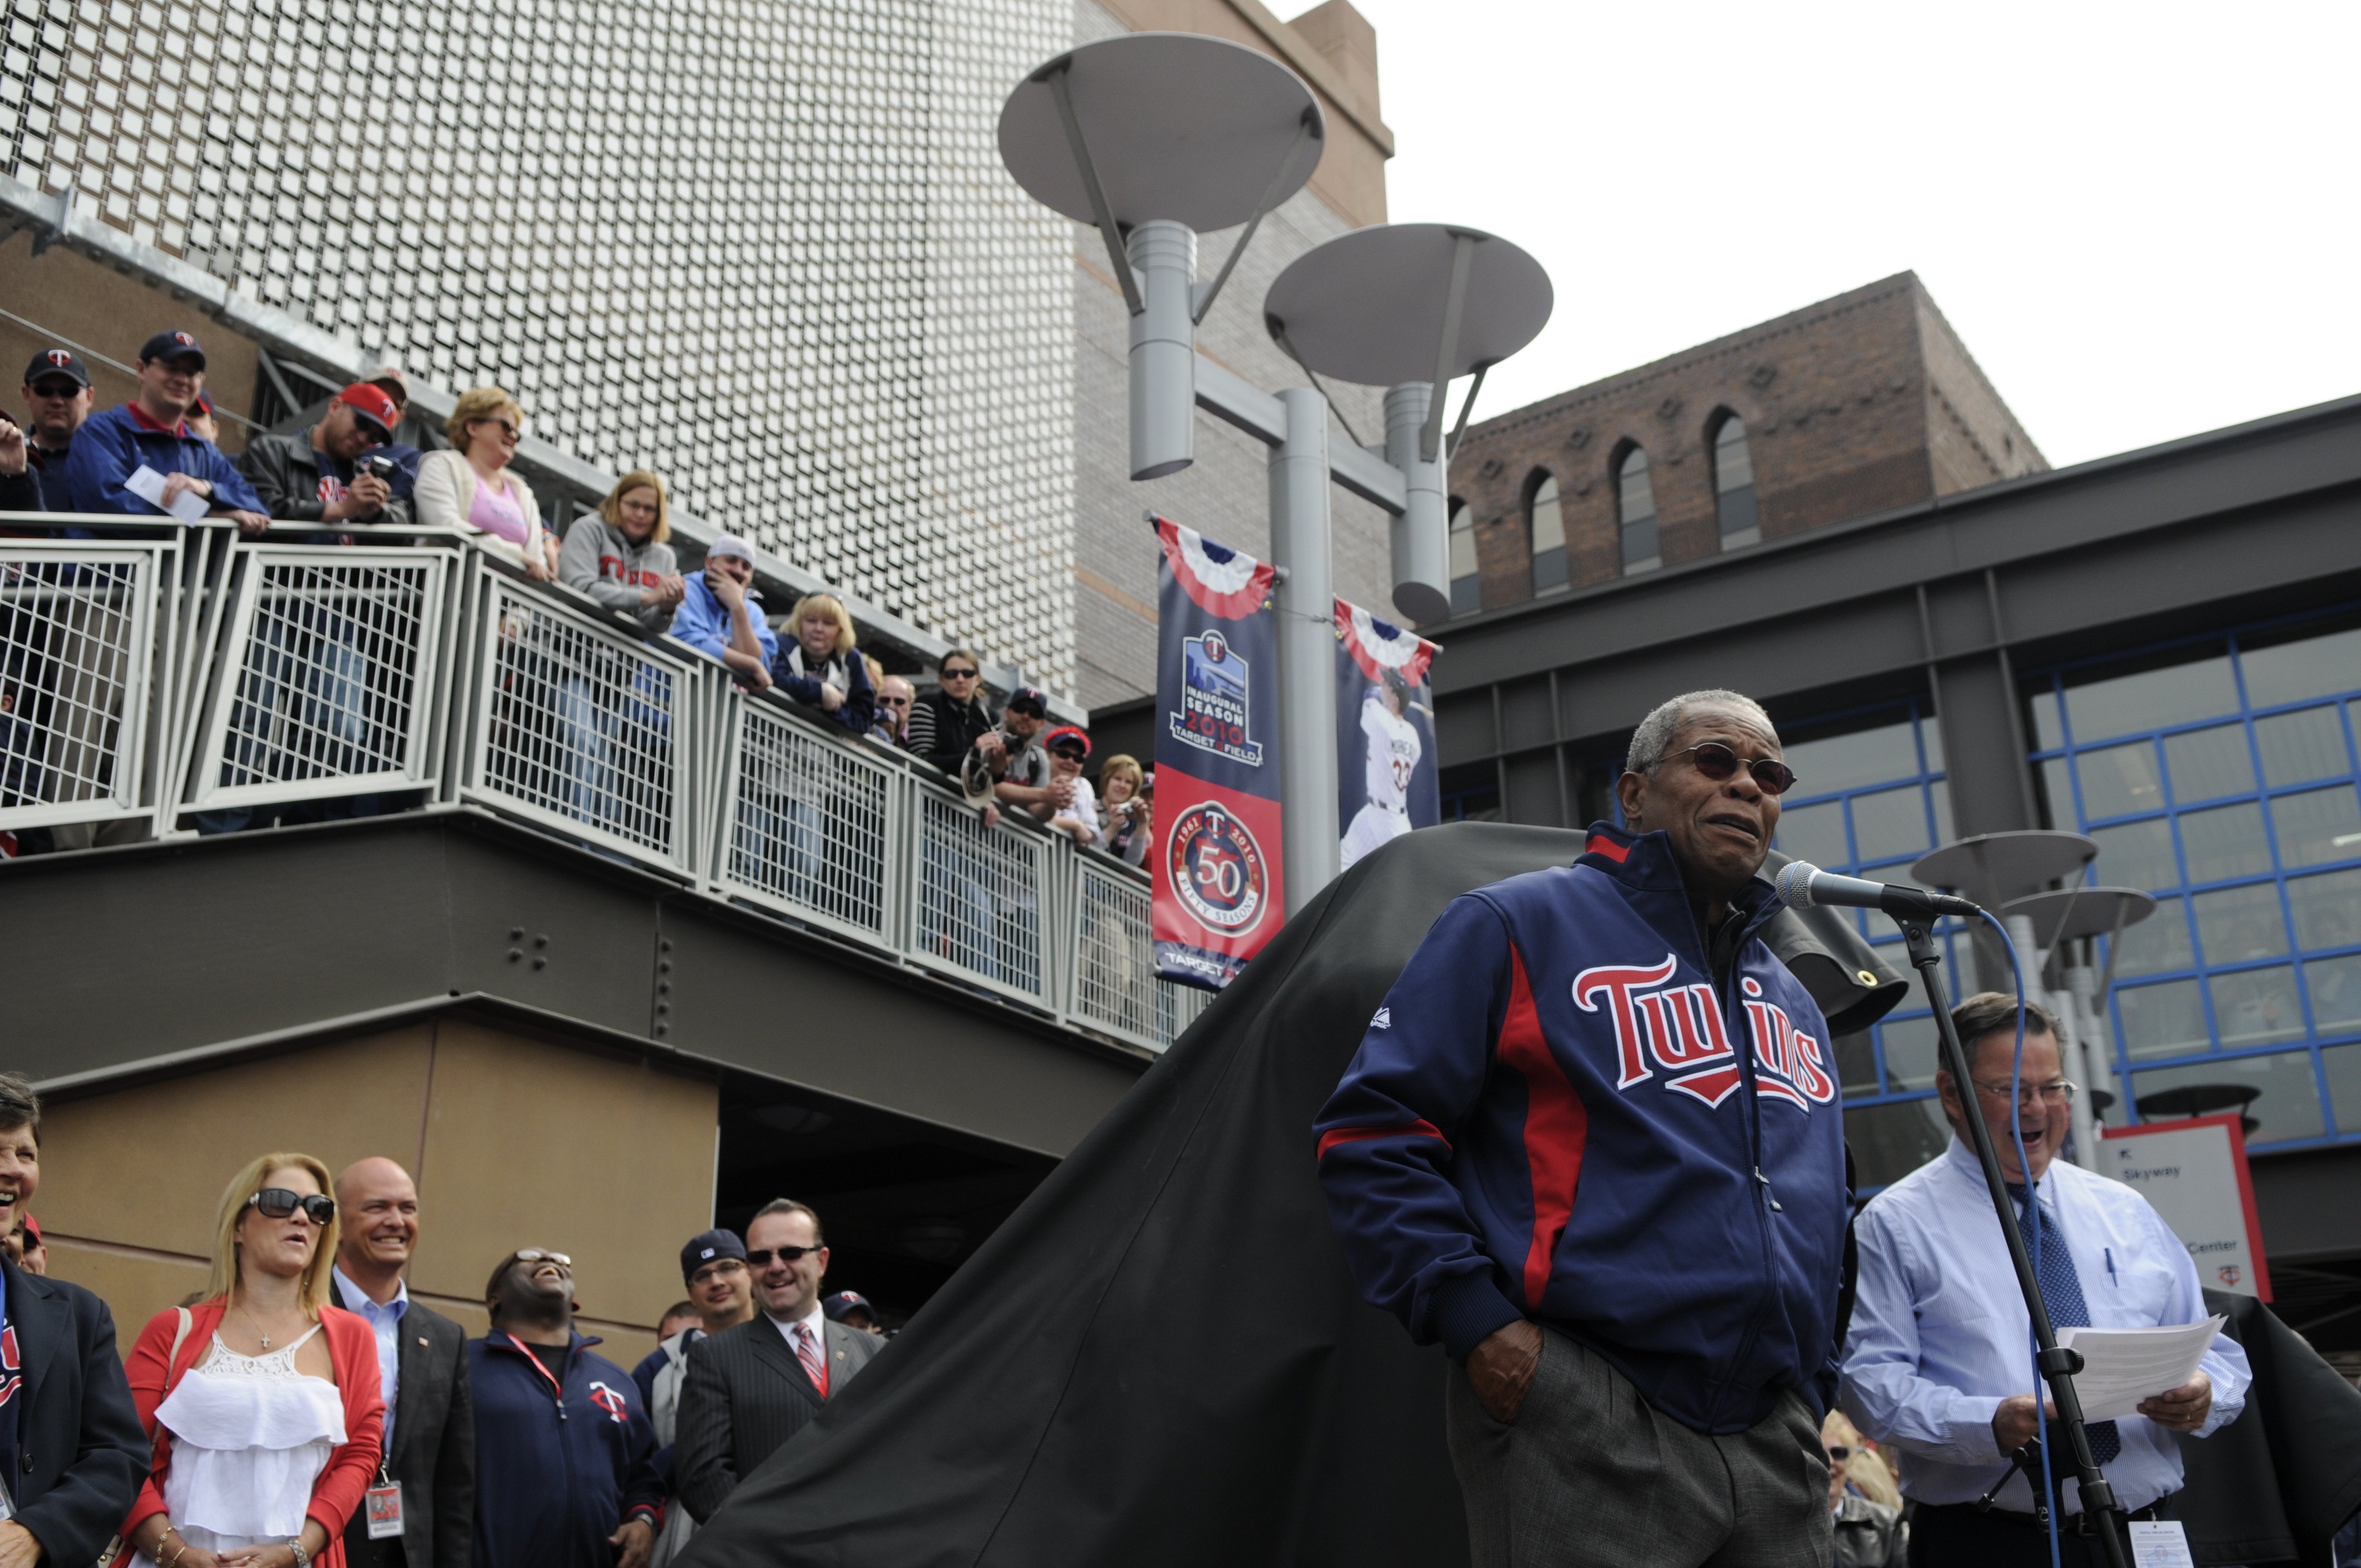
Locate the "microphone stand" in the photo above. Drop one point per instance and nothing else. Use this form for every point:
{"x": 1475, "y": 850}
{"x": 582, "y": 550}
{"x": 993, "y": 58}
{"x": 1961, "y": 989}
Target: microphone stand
{"x": 2057, "y": 1365}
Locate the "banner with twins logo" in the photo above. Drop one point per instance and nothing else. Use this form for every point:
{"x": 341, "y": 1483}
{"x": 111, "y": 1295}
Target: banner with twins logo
{"x": 1216, "y": 861}
{"x": 1387, "y": 780}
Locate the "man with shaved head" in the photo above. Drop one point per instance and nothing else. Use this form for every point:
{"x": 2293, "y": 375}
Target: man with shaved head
{"x": 1590, "y": 1144}
{"x": 420, "y": 1512}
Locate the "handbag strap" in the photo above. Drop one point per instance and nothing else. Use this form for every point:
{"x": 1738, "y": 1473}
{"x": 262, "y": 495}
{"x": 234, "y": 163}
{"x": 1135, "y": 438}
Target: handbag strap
{"x": 180, "y": 1337}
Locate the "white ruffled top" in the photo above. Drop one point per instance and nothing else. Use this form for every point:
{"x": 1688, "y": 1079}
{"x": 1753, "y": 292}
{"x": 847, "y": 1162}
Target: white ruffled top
{"x": 250, "y": 1435}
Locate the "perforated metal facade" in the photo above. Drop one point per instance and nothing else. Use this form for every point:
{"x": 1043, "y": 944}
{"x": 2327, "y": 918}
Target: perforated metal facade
{"x": 764, "y": 248}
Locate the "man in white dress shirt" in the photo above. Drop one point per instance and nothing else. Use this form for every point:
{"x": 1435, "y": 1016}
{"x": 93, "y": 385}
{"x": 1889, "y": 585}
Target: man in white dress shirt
{"x": 1938, "y": 1364}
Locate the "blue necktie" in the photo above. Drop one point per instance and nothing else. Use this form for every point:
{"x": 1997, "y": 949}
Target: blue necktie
{"x": 2061, "y": 1293}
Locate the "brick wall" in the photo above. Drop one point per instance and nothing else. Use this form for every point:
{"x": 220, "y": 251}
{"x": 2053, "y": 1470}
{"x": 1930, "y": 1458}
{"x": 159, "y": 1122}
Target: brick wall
{"x": 1854, "y": 405}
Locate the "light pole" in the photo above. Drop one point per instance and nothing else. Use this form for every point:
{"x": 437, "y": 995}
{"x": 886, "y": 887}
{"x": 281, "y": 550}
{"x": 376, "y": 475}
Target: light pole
{"x": 1155, "y": 138}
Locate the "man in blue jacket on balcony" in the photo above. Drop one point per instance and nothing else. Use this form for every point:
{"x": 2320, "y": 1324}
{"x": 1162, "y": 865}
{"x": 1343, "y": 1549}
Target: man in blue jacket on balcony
{"x": 1591, "y": 1145}
{"x": 151, "y": 431}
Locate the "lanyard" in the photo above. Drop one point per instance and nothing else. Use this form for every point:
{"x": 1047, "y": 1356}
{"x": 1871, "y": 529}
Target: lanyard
{"x": 556, "y": 1387}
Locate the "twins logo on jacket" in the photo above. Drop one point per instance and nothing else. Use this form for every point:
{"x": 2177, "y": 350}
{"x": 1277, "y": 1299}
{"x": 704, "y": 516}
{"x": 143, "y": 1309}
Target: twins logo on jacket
{"x": 11, "y": 1367}
{"x": 618, "y": 1408}
{"x": 1677, "y": 1029}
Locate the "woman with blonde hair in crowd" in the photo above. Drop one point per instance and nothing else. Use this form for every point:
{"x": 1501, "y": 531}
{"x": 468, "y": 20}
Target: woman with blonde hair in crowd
{"x": 262, "y": 1400}
{"x": 816, "y": 663}
{"x": 622, "y": 555}
{"x": 469, "y": 487}
{"x": 1129, "y": 810}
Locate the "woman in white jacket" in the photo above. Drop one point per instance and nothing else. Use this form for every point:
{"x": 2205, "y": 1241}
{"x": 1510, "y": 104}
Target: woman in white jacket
{"x": 470, "y": 488}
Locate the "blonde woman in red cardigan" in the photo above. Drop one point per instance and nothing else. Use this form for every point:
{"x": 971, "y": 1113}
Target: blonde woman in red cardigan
{"x": 262, "y": 1402}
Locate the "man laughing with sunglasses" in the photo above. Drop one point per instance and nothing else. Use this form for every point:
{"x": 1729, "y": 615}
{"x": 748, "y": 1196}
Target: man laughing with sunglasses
{"x": 752, "y": 1387}
{"x": 1590, "y": 1144}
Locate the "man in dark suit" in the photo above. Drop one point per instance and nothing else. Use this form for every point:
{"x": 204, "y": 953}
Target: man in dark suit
{"x": 752, "y": 1387}
{"x": 430, "y": 1424}
{"x": 70, "y": 1446}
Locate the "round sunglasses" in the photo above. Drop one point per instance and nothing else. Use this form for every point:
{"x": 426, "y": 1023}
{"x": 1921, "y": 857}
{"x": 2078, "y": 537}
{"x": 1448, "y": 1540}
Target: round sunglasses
{"x": 1719, "y": 763}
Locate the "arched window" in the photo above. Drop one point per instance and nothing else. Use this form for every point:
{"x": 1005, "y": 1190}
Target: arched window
{"x": 1467, "y": 583}
{"x": 1733, "y": 485}
{"x": 1546, "y": 522}
{"x": 1635, "y": 508}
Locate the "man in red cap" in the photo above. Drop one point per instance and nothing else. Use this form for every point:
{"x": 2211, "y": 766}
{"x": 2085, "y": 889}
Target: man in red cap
{"x": 324, "y": 474}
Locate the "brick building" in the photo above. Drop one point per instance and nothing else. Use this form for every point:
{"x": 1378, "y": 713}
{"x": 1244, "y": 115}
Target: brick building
{"x": 1852, "y": 406}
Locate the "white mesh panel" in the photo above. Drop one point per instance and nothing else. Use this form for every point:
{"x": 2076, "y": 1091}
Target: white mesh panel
{"x": 71, "y": 636}
{"x": 582, "y": 726}
{"x": 328, "y": 679}
{"x": 1115, "y": 958}
{"x": 979, "y": 896}
{"x": 809, "y": 822}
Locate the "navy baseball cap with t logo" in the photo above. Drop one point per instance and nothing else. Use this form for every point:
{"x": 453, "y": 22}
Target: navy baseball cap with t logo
{"x": 51, "y": 362}
{"x": 172, "y": 346}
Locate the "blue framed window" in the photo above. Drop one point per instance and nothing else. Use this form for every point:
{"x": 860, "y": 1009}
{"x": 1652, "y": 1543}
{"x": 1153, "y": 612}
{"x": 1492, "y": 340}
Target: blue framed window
{"x": 1871, "y": 797}
{"x": 2220, "y": 774}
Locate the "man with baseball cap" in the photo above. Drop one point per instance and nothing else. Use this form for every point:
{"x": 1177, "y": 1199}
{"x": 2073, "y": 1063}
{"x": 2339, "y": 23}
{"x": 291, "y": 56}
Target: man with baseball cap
{"x": 721, "y": 614}
{"x": 409, "y": 432}
{"x": 151, "y": 431}
{"x": 57, "y": 401}
{"x": 721, "y": 1290}
{"x": 1013, "y": 758}
{"x": 324, "y": 474}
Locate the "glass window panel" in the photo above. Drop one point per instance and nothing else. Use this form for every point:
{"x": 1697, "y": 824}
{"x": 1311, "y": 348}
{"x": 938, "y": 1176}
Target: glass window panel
{"x": 2166, "y": 1020}
{"x": 1462, "y": 543}
{"x": 2298, "y": 747}
{"x": 2256, "y": 1007}
{"x": 1930, "y": 736}
{"x": 2236, "y": 923}
{"x": 2327, "y": 910}
{"x": 2157, "y": 944}
{"x": 2315, "y": 666}
{"x": 2207, "y": 765}
{"x": 1733, "y": 467}
{"x": 2288, "y": 1107}
{"x": 1857, "y": 760}
{"x": 2336, "y": 987}
{"x": 1814, "y": 833}
{"x": 2049, "y": 733}
{"x": 1939, "y": 793}
{"x": 2138, "y": 854}
{"x": 1857, "y": 1063}
{"x": 2224, "y": 842}
{"x": 2120, "y": 781}
{"x": 1911, "y": 1051}
{"x": 2152, "y": 699}
{"x": 1637, "y": 499}
{"x": 2317, "y": 827}
{"x": 1889, "y": 1142}
{"x": 2343, "y": 1065}
{"x": 2057, "y": 795}
{"x": 1741, "y": 524}
{"x": 1548, "y": 517}
{"x": 1549, "y": 570}
{"x": 1889, "y": 824}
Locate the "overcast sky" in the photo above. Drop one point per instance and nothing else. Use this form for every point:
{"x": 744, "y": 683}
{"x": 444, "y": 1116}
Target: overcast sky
{"x": 2145, "y": 220}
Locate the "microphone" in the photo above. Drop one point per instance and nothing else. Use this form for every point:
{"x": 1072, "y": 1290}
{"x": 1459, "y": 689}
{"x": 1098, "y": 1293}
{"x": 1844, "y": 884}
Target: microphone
{"x": 1803, "y": 886}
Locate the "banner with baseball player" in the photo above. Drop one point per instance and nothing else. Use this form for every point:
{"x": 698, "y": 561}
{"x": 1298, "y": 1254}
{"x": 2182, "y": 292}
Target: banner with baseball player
{"x": 1386, "y": 770}
{"x": 1216, "y": 860}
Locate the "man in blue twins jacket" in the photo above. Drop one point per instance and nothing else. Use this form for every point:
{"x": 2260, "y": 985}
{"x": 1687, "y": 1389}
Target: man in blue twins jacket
{"x": 1591, "y": 1144}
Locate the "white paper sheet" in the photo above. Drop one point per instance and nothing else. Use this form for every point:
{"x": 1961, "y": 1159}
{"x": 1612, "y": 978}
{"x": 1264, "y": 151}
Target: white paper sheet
{"x": 148, "y": 486}
{"x": 2161, "y": 1543}
{"x": 2122, "y": 1367}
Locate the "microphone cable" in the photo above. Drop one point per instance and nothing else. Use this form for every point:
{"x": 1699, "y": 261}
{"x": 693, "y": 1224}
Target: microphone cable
{"x": 2052, "y": 1503}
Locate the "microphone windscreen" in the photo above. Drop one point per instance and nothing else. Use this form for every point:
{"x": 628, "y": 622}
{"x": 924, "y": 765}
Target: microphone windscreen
{"x": 1794, "y": 883}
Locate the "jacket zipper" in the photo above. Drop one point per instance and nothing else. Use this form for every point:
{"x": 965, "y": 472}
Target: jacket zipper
{"x": 1743, "y": 1042}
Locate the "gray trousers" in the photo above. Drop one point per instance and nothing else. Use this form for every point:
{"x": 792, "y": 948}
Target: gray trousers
{"x": 1590, "y": 1473}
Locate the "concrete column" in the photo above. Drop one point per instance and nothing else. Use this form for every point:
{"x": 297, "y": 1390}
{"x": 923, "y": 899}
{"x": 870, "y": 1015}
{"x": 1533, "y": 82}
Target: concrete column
{"x": 1307, "y": 646}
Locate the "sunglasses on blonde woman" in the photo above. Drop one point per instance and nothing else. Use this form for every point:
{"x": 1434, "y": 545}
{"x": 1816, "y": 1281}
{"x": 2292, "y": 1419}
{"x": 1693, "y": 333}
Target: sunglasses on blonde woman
{"x": 279, "y": 1203}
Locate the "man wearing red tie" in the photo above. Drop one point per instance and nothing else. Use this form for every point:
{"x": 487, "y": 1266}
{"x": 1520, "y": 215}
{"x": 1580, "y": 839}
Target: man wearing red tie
{"x": 750, "y": 1389}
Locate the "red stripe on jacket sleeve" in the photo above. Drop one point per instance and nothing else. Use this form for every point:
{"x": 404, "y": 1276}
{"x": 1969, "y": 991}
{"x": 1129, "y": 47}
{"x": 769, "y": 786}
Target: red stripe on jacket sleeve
{"x": 1556, "y": 1125}
{"x": 1422, "y": 1129}
{"x": 1601, "y": 844}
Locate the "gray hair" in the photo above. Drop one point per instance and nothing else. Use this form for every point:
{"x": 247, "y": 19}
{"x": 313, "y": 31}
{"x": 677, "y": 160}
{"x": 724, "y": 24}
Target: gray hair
{"x": 1655, "y": 731}
{"x": 19, "y": 1106}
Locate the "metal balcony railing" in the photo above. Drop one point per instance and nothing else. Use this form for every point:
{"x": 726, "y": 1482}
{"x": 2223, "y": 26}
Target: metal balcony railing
{"x": 165, "y": 671}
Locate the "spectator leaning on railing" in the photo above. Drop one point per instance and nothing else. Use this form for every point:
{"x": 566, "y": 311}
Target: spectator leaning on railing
{"x": 409, "y": 433}
{"x": 894, "y": 697}
{"x": 819, "y": 666}
{"x": 325, "y": 474}
{"x": 470, "y": 488}
{"x": 1077, "y": 814}
{"x": 151, "y": 431}
{"x": 1129, "y": 810}
{"x": 620, "y": 555}
{"x": 57, "y": 402}
{"x": 720, "y": 613}
{"x": 946, "y": 723}
{"x": 1009, "y": 763}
